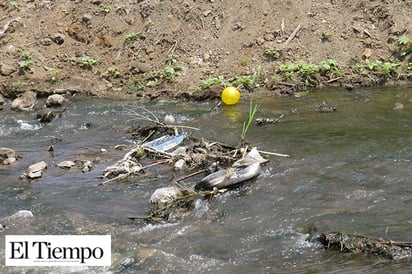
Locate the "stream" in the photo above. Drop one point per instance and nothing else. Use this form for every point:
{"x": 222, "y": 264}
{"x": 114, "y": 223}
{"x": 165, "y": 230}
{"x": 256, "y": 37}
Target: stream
{"x": 350, "y": 169}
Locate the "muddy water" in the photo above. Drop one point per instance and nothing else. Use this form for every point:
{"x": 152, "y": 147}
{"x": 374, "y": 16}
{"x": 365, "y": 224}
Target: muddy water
{"x": 350, "y": 170}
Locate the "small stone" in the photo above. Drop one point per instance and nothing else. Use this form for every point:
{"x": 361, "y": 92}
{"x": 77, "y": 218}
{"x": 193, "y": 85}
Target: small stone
{"x": 66, "y": 164}
{"x": 46, "y": 41}
{"x": 179, "y": 165}
{"x": 36, "y": 170}
{"x": 367, "y": 53}
{"x": 260, "y": 41}
{"x": 55, "y": 100}
{"x": 58, "y": 38}
{"x": 86, "y": 18}
{"x": 143, "y": 67}
{"x": 398, "y": 106}
{"x": 6, "y": 154}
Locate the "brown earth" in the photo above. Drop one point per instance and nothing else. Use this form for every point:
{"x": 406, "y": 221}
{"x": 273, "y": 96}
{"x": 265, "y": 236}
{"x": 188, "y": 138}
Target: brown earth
{"x": 178, "y": 49}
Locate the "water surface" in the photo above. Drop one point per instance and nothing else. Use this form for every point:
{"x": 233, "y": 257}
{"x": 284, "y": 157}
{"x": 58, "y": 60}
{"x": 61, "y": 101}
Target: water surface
{"x": 349, "y": 169}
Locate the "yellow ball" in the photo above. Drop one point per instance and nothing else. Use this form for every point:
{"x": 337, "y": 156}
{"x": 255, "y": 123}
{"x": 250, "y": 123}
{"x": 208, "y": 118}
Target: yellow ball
{"x": 230, "y": 95}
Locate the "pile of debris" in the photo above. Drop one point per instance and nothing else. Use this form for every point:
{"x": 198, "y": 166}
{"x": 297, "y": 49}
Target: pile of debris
{"x": 361, "y": 244}
{"x": 224, "y": 166}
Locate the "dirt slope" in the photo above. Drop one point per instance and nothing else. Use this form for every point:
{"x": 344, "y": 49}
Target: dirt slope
{"x": 185, "y": 49}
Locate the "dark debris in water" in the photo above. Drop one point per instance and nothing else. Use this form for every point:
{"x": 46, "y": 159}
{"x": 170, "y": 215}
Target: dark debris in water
{"x": 362, "y": 244}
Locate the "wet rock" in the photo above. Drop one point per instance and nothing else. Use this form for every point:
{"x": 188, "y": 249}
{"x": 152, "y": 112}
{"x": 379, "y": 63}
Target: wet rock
{"x": 55, "y": 100}
{"x": 36, "y": 170}
{"x": 127, "y": 262}
{"x": 325, "y": 107}
{"x": 66, "y": 164}
{"x": 85, "y": 165}
{"x": 398, "y": 106}
{"x": 180, "y": 164}
{"x": 166, "y": 195}
{"x": 7, "y": 156}
{"x": 25, "y": 101}
{"x": 22, "y": 214}
{"x": 46, "y": 115}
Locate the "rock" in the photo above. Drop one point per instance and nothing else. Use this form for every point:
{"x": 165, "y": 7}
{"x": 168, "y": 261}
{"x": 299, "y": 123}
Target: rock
{"x": 66, "y": 164}
{"x": 7, "y": 156}
{"x": 22, "y": 214}
{"x": 179, "y": 165}
{"x": 6, "y": 69}
{"x": 46, "y": 115}
{"x": 25, "y": 101}
{"x": 58, "y": 38}
{"x": 169, "y": 119}
{"x": 140, "y": 66}
{"x": 2, "y": 100}
{"x": 55, "y": 100}
{"x": 36, "y": 170}
{"x": 166, "y": 195}
{"x": 398, "y": 106}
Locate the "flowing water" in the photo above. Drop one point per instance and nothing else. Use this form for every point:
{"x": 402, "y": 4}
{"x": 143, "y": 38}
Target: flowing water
{"x": 350, "y": 169}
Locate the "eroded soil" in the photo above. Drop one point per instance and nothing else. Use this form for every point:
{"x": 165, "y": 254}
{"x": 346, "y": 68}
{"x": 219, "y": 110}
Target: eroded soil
{"x": 154, "y": 49}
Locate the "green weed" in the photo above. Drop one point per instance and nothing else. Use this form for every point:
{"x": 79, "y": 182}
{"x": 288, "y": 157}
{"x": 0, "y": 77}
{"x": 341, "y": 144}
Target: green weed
{"x": 131, "y": 37}
{"x": 88, "y": 62}
{"x": 252, "y": 112}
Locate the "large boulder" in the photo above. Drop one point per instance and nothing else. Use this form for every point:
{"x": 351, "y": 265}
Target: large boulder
{"x": 25, "y": 101}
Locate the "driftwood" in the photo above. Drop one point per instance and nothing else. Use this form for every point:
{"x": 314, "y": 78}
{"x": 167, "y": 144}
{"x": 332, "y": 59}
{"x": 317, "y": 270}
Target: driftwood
{"x": 362, "y": 244}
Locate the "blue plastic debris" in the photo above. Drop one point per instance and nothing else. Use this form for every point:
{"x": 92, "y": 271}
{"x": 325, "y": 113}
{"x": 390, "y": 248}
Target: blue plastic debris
{"x": 166, "y": 142}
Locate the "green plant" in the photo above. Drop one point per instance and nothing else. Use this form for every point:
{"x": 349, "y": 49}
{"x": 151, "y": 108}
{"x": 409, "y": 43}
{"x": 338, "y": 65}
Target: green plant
{"x": 307, "y": 71}
{"x": 410, "y": 66}
{"x": 13, "y": 4}
{"x": 211, "y": 81}
{"x": 169, "y": 73}
{"x": 106, "y": 8}
{"x": 276, "y": 78}
{"x": 372, "y": 66}
{"x": 329, "y": 67}
{"x": 112, "y": 72}
{"x": 149, "y": 23}
{"x": 27, "y": 55}
{"x": 288, "y": 69}
{"x": 25, "y": 66}
{"x": 388, "y": 69}
{"x": 325, "y": 36}
{"x": 131, "y": 37}
{"x": 359, "y": 69}
{"x": 252, "y": 111}
{"x": 271, "y": 54}
{"x": 250, "y": 82}
{"x": 54, "y": 73}
{"x": 405, "y": 46}
{"x": 88, "y": 62}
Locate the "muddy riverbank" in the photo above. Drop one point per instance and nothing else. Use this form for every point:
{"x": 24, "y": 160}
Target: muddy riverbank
{"x": 188, "y": 49}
